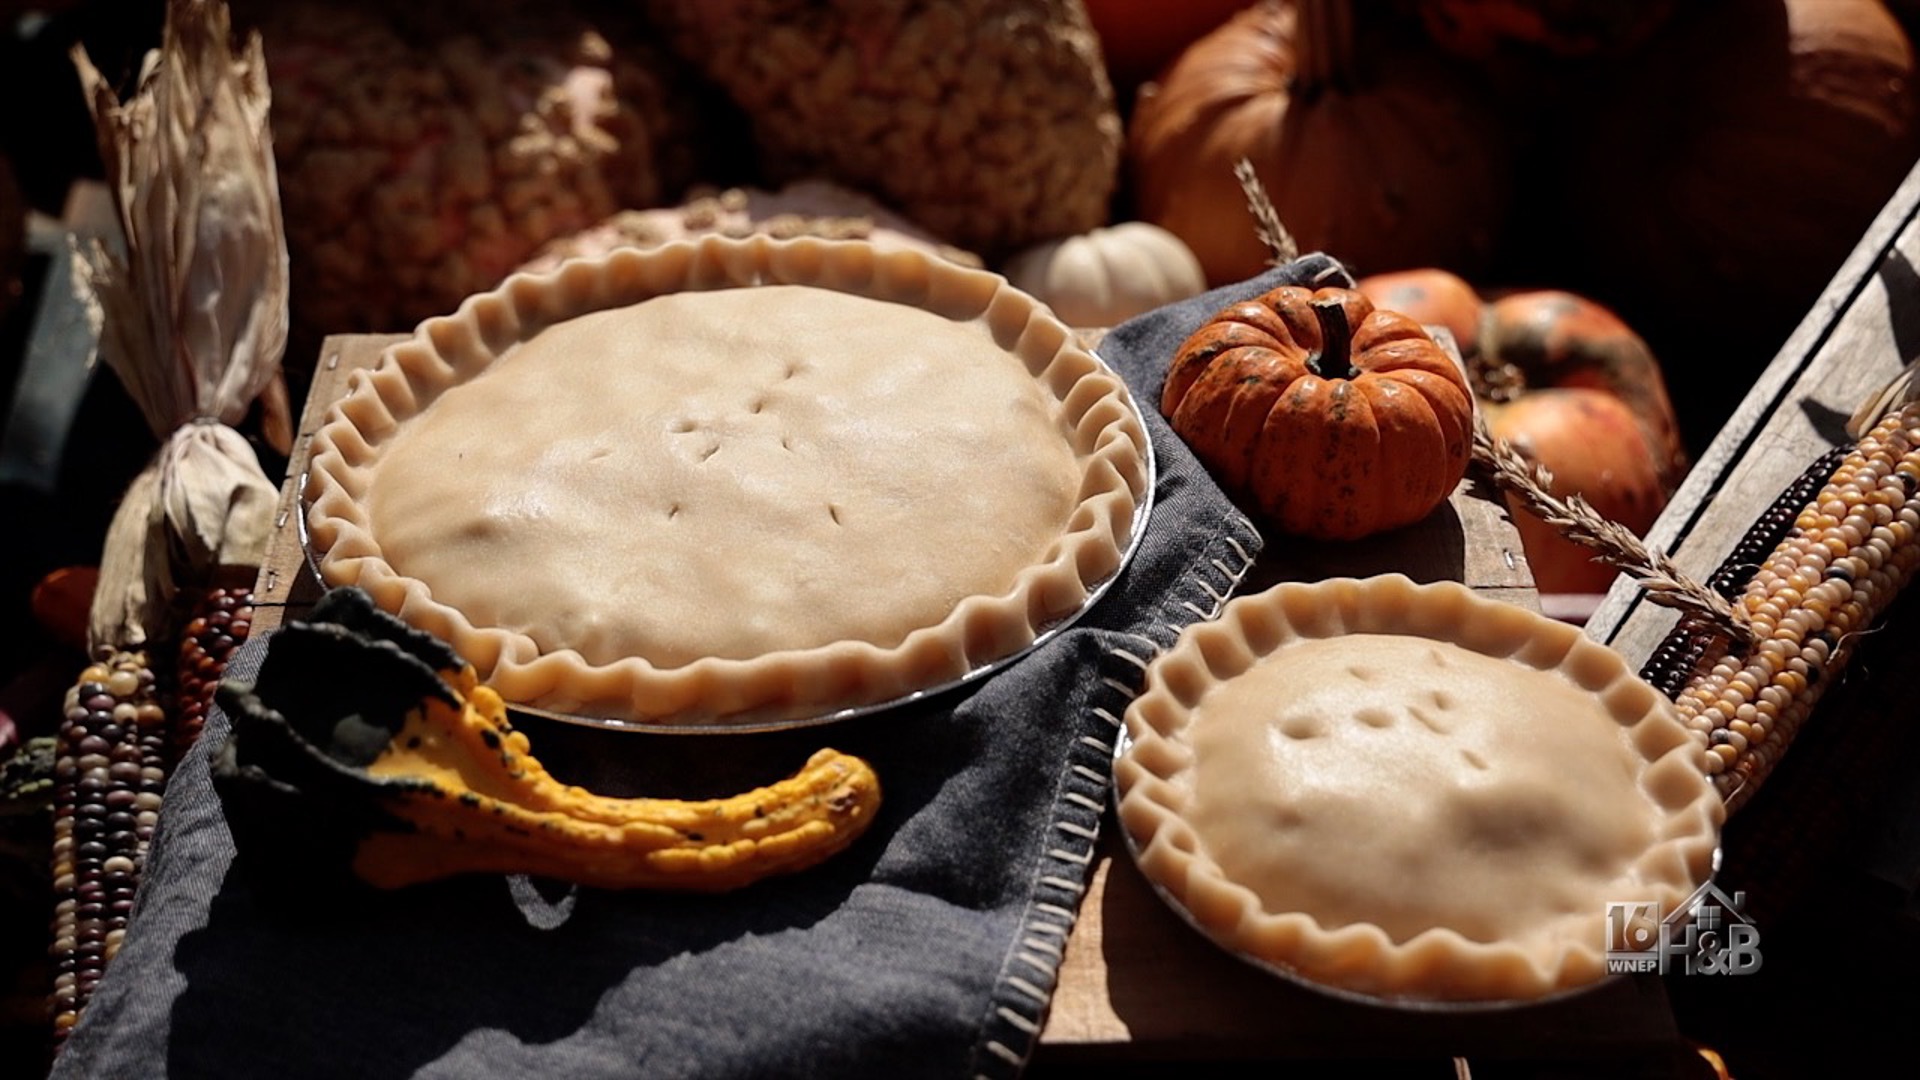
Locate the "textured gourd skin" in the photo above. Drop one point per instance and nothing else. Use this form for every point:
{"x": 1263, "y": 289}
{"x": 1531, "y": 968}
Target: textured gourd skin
{"x": 409, "y": 771}
{"x": 426, "y": 150}
{"x": 479, "y": 802}
{"x": 1325, "y": 457}
{"x": 989, "y": 122}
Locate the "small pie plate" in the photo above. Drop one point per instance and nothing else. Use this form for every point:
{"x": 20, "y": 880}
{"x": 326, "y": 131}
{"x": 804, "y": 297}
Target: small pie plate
{"x": 1413, "y": 796}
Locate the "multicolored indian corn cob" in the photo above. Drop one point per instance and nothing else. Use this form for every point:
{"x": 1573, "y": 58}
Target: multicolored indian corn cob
{"x": 107, "y": 781}
{"x": 196, "y": 339}
{"x": 116, "y": 748}
{"x": 1677, "y": 658}
{"x": 220, "y": 624}
{"x": 1775, "y": 524}
{"x": 1852, "y": 547}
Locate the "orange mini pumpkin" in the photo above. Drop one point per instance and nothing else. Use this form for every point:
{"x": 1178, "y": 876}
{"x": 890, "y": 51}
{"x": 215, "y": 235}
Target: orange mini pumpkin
{"x": 1335, "y": 419}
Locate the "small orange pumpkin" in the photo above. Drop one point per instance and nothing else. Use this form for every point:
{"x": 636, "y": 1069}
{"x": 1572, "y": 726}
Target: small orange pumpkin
{"x": 1335, "y": 419}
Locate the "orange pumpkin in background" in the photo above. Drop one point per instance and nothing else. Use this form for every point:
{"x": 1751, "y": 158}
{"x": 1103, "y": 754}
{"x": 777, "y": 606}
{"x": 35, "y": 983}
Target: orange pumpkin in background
{"x": 1382, "y": 155}
{"x": 1431, "y": 298}
{"x": 1593, "y": 445}
{"x": 1140, "y": 37}
{"x": 1573, "y": 388}
{"x": 61, "y": 603}
{"x": 1550, "y": 338}
{"x": 1334, "y": 419}
{"x": 1737, "y": 161}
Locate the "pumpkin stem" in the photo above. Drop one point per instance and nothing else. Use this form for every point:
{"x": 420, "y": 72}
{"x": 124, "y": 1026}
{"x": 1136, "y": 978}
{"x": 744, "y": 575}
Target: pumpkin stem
{"x": 1324, "y": 53}
{"x": 1335, "y": 358}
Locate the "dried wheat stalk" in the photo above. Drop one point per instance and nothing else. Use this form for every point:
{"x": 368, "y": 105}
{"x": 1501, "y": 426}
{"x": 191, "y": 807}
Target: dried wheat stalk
{"x": 1267, "y": 224}
{"x": 1532, "y": 485}
{"x": 1615, "y": 545}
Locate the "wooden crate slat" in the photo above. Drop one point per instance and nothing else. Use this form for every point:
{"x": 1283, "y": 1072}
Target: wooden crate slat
{"x": 286, "y": 586}
{"x": 1844, "y": 349}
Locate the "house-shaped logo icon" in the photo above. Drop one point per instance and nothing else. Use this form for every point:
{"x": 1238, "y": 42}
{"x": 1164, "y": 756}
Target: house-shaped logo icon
{"x": 1708, "y": 934}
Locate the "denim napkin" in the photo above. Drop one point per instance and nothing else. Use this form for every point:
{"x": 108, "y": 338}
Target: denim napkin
{"x": 930, "y": 948}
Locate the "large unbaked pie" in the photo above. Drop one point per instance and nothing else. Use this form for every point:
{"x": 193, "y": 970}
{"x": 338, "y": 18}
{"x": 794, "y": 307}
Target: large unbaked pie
{"x": 732, "y": 479}
{"x": 1410, "y": 792}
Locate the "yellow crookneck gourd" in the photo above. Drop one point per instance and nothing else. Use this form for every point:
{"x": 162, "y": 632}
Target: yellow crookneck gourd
{"x": 354, "y": 704}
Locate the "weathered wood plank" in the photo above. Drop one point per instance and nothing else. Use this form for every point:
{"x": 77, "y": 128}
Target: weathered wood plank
{"x": 1827, "y": 824}
{"x": 1860, "y": 332}
{"x": 1470, "y": 539}
{"x": 286, "y": 583}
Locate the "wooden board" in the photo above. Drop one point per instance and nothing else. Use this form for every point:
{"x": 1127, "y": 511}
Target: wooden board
{"x": 286, "y": 582}
{"x": 1137, "y": 981}
{"x": 1861, "y": 332}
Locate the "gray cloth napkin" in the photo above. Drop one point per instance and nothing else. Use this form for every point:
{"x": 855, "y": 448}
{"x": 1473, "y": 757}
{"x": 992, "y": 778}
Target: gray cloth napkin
{"x": 930, "y": 948}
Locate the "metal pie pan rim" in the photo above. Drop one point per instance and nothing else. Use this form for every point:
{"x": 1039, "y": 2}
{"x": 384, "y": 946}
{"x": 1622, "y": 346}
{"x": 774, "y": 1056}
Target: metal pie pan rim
{"x": 750, "y": 723}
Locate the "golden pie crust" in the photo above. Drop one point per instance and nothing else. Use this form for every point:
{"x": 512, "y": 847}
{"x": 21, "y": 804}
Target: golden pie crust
{"x": 732, "y": 480}
{"x": 1410, "y": 792}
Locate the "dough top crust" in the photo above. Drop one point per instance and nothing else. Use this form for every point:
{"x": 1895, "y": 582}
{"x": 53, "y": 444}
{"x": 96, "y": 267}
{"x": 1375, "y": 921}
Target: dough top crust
{"x": 804, "y": 492}
{"x": 1409, "y": 791}
{"x": 818, "y": 463}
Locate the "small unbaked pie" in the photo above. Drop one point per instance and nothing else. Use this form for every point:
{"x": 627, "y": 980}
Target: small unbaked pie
{"x": 1410, "y": 792}
{"x": 732, "y": 479}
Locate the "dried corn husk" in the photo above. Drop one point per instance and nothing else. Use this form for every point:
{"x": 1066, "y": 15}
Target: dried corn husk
{"x": 1899, "y": 390}
{"x": 217, "y": 503}
{"x": 194, "y": 310}
{"x": 125, "y": 612}
{"x": 197, "y": 312}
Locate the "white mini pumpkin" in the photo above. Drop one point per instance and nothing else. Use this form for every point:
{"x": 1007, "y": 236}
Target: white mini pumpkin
{"x": 1109, "y": 275}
